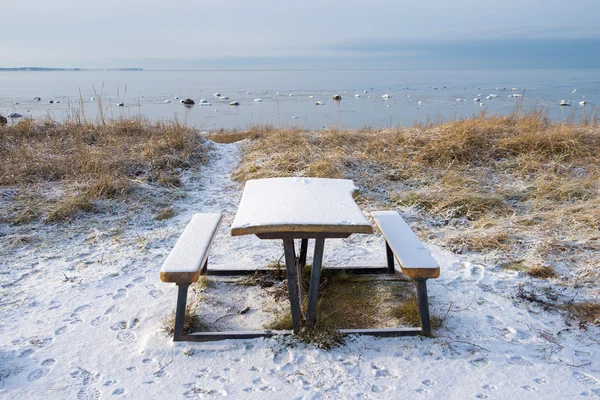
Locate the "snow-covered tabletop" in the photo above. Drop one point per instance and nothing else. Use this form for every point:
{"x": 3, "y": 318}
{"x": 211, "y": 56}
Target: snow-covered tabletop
{"x": 276, "y": 205}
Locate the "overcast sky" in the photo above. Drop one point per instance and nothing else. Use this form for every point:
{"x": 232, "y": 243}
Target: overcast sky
{"x": 198, "y": 33}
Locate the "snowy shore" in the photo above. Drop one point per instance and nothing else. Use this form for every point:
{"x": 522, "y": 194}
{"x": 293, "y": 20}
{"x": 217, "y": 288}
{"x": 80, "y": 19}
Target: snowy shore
{"x": 81, "y": 309}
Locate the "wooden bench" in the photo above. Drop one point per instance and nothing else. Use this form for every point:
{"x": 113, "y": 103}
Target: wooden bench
{"x": 413, "y": 258}
{"x": 188, "y": 260}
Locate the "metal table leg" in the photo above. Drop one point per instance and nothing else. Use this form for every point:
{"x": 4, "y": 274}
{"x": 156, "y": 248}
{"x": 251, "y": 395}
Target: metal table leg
{"x": 292, "y": 279}
{"x": 313, "y": 292}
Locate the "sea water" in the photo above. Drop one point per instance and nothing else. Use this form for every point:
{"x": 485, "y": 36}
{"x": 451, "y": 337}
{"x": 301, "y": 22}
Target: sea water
{"x": 289, "y": 97}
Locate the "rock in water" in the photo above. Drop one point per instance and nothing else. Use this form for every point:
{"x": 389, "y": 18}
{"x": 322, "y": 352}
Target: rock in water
{"x": 37, "y": 99}
{"x": 337, "y": 97}
{"x": 188, "y": 102}
{"x": 14, "y": 115}
{"x": 234, "y": 103}
{"x": 50, "y": 101}
{"x": 121, "y": 104}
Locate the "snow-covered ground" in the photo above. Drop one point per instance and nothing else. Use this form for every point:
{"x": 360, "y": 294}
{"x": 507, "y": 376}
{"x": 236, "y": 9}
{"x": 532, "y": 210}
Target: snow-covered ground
{"x": 81, "y": 309}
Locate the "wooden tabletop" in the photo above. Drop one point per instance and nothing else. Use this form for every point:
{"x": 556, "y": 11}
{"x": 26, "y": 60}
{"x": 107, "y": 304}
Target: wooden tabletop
{"x": 311, "y": 205}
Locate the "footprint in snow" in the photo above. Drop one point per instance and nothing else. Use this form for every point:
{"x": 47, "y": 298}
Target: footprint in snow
{"x": 88, "y": 393}
{"x": 585, "y": 379}
{"x": 61, "y": 330}
{"x": 120, "y": 294}
{"x": 540, "y": 381}
{"x": 126, "y": 336}
{"x": 86, "y": 377}
{"x": 581, "y": 353}
{"x": 119, "y": 326}
{"x": 156, "y": 293}
{"x": 81, "y": 308}
{"x": 37, "y": 374}
{"x": 380, "y": 389}
{"x": 139, "y": 279}
{"x": 41, "y": 343}
{"x": 26, "y": 353}
{"x": 476, "y": 272}
{"x": 428, "y": 382}
{"x": 112, "y": 310}
{"x": 528, "y": 388}
{"x": 480, "y": 362}
{"x": 518, "y": 360}
{"x": 99, "y": 320}
{"x": 48, "y": 362}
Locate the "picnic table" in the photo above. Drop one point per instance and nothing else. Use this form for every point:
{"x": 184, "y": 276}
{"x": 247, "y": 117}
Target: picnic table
{"x": 300, "y": 208}
{"x": 288, "y": 209}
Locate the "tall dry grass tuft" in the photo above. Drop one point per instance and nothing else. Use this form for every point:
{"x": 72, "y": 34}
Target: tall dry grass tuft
{"x": 533, "y": 181}
{"x": 108, "y": 159}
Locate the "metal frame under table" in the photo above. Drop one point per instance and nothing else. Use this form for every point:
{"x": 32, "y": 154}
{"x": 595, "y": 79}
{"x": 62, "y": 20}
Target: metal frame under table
{"x": 290, "y": 209}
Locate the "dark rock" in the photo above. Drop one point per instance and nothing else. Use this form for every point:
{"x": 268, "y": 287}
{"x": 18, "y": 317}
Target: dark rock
{"x": 121, "y": 104}
{"x": 37, "y": 99}
{"x": 14, "y": 115}
{"x": 234, "y": 103}
{"x": 337, "y": 97}
{"x": 188, "y": 102}
{"x": 50, "y": 101}
{"x": 3, "y": 120}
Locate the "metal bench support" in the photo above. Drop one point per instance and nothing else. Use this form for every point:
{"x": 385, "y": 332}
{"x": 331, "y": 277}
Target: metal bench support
{"x": 292, "y": 278}
{"x": 390, "y": 258}
{"x": 180, "y": 311}
{"x": 423, "y": 304}
{"x": 313, "y": 292}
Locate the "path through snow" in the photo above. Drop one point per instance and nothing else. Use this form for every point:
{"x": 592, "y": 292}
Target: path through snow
{"x": 81, "y": 307}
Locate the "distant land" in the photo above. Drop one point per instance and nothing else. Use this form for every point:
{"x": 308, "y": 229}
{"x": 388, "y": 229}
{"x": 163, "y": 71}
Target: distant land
{"x": 68, "y": 69}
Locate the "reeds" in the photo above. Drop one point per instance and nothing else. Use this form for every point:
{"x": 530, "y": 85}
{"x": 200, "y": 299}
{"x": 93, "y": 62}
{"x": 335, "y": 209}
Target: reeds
{"x": 85, "y": 161}
{"x": 519, "y": 184}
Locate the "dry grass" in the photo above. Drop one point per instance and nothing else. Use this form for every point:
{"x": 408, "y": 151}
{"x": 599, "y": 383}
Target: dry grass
{"x": 110, "y": 159}
{"x": 585, "y": 312}
{"x": 408, "y": 312}
{"x": 520, "y": 184}
{"x": 165, "y": 213}
{"x": 542, "y": 271}
{"x": 353, "y": 302}
{"x": 191, "y": 321}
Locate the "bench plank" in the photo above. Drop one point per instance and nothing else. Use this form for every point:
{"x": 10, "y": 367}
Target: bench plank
{"x": 414, "y": 259}
{"x": 191, "y": 250}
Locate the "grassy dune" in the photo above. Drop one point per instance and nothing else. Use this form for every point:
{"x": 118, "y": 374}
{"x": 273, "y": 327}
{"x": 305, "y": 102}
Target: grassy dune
{"x": 521, "y": 188}
{"x": 55, "y": 170}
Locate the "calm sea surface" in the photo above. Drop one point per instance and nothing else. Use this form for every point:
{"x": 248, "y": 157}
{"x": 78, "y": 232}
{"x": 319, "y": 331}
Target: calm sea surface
{"x": 285, "y": 95}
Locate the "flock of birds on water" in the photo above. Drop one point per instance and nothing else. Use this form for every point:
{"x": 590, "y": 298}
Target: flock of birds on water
{"x": 188, "y": 102}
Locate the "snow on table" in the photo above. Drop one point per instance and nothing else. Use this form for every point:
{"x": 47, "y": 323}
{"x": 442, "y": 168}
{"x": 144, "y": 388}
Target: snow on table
{"x": 299, "y": 205}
